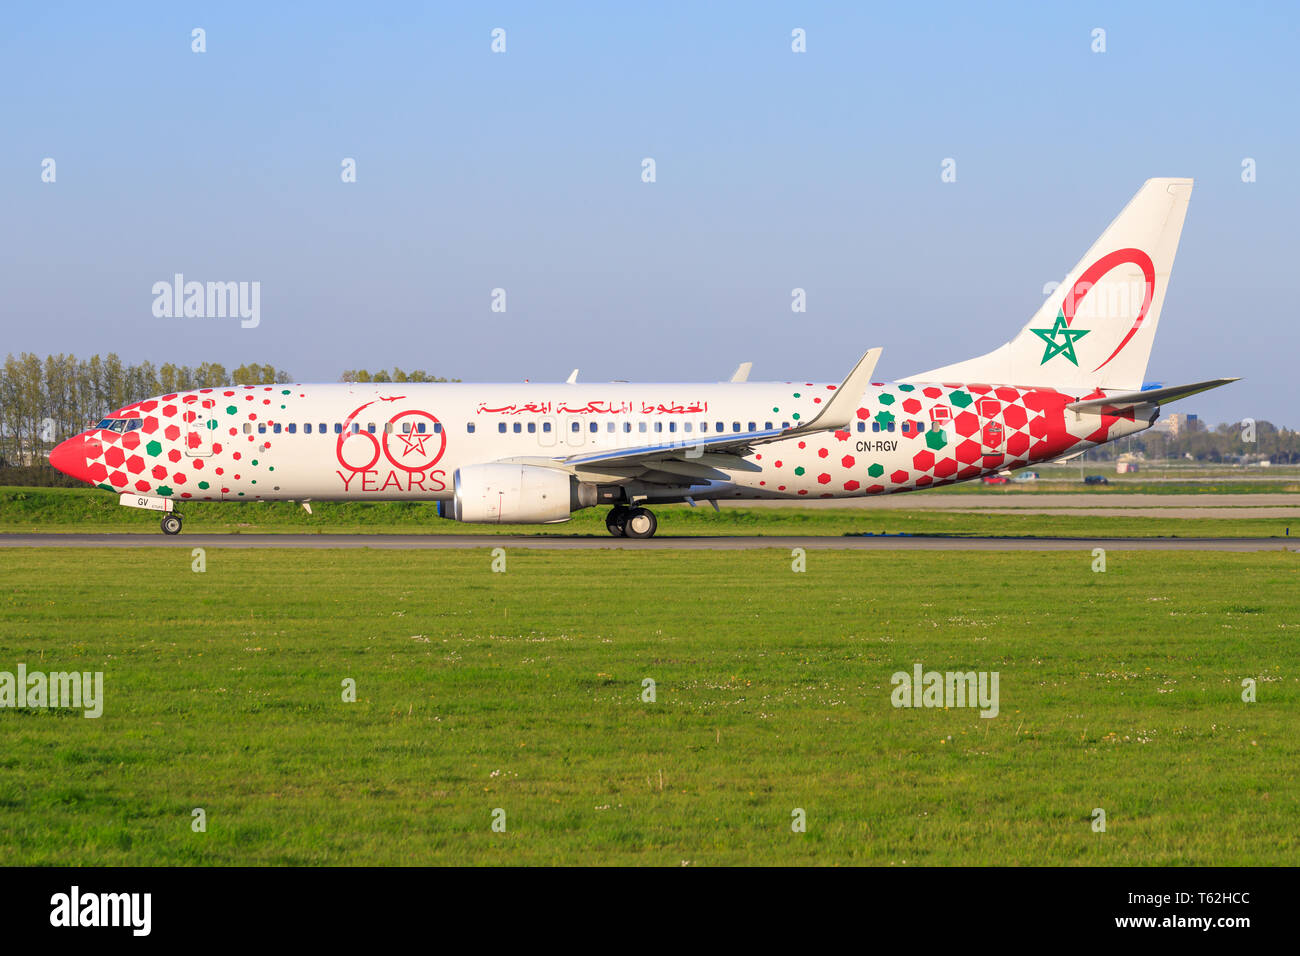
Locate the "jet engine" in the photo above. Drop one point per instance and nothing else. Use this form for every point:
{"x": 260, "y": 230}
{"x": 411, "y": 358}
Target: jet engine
{"x": 513, "y": 494}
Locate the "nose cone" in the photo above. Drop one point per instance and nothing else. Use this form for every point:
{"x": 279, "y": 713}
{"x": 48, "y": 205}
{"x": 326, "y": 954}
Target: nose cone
{"x": 73, "y": 457}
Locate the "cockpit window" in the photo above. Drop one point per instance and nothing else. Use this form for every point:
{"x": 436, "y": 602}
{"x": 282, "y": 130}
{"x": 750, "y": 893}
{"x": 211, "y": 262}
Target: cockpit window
{"x": 120, "y": 424}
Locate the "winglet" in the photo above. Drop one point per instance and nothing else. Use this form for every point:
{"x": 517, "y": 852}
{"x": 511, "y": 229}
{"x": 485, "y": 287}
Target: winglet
{"x": 842, "y": 407}
{"x": 742, "y": 372}
{"x": 573, "y": 378}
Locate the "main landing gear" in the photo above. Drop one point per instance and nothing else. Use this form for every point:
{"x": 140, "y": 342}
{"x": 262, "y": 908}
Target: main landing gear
{"x": 631, "y": 522}
{"x": 171, "y": 523}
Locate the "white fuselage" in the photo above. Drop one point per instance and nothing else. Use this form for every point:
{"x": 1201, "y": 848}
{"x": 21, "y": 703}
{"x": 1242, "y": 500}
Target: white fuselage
{"x": 388, "y": 441}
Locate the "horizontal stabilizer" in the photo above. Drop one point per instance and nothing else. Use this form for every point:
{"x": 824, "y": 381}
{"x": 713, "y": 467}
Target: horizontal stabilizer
{"x": 1152, "y": 396}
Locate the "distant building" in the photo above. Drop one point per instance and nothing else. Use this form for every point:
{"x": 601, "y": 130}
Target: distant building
{"x": 1181, "y": 424}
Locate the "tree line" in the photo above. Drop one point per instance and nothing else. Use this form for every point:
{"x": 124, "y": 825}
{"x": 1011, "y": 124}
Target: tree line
{"x": 44, "y": 400}
{"x": 1229, "y": 442}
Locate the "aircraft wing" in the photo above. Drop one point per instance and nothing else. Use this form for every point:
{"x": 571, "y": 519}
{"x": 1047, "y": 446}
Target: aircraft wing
{"x": 837, "y": 413}
{"x": 1153, "y": 396}
{"x": 701, "y": 457}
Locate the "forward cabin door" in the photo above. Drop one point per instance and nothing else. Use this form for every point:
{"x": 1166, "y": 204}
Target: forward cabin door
{"x": 200, "y": 428}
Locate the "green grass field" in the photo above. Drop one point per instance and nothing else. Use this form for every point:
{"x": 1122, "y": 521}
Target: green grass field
{"x": 522, "y": 691}
{"x": 92, "y": 511}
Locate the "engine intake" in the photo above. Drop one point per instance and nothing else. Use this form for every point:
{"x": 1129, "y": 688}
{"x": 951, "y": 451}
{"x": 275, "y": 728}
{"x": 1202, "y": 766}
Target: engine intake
{"x": 512, "y": 494}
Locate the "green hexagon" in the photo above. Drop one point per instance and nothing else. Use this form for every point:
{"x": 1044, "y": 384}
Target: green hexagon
{"x": 936, "y": 439}
{"x": 799, "y": 470}
{"x": 906, "y": 388}
{"x": 960, "y": 398}
{"x": 164, "y": 490}
{"x": 203, "y": 485}
{"x": 875, "y": 471}
{"x": 153, "y": 448}
{"x": 886, "y": 399}
{"x": 232, "y": 410}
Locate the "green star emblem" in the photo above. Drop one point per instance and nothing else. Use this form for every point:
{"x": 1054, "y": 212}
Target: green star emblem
{"x": 1066, "y": 347}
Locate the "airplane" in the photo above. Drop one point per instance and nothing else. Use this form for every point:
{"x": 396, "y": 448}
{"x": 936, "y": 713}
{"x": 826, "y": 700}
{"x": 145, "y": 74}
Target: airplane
{"x": 532, "y": 453}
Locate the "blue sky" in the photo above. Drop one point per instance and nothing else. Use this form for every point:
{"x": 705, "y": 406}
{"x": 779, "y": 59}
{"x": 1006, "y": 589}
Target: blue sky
{"x": 522, "y": 171}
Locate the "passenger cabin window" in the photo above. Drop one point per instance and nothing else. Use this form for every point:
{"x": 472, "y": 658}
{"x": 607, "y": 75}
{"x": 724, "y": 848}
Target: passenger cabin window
{"x": 261, "y": 428}
{"x": 293, "y": 429}
{"x": 532, "y": 427}
{"x": 518, "y": 429}
{"x": 735, "y": 426}
{"x": 501, "y": 427}
{"x": 469, "y": 428}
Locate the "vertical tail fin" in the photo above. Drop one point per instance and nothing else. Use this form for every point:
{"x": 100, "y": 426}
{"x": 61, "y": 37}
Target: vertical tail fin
{"x": 1095, "y": 330}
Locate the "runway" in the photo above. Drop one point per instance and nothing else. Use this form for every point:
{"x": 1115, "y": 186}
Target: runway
{"x": 553, "y": 542}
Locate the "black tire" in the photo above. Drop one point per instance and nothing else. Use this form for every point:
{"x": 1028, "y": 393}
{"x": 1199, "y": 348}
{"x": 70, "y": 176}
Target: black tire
{"x": 171, "y": 524}
{"x": 616, "y": 521}
{"x": 640, "y": 523}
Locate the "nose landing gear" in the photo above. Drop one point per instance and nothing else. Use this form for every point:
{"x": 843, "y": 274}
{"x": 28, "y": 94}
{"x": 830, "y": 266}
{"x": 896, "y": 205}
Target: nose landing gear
{"x": 171, "y": 523}
{"x": 631, "y": 522}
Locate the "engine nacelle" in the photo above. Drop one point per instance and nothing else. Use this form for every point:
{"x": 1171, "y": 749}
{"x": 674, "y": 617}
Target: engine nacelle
{"x": 512, "y": 494}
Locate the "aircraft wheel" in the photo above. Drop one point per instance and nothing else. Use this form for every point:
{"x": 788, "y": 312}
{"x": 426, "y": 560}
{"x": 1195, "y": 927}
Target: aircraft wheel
{"x": 640, "y": 523}
{"x": 616, "y": 521}
{"x": 171, "y": 524}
